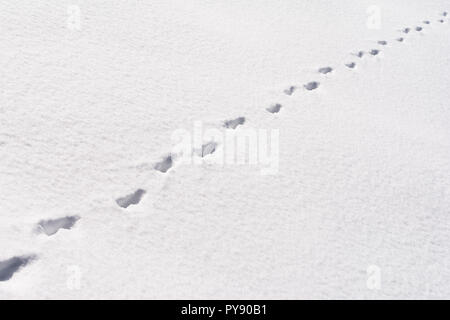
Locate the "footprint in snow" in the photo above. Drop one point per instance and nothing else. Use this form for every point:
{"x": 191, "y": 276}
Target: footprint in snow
{"x": 406, "y": 30}
{"x": 312, "y": 85}
{"x": 165, "y": 164}
{"x": 444, "y": 13}
{"x": 382, "y": 42}
{"x": 325, "y": 70}
{"x": 418, "y": 29}
{"x": 10, "y": 266}
{"x": 441, "y": 21}
{"x": 289, "y": 91}
{"x": 233, "y": 124}
{"x": 207, "y": 148}
{"x": 52, "y": 226}
{"x": 359, "y": 54}
{"x": 426, "y": 22}
{"x": 400, "y": 39}
{"x": 275, "y": 108}
{"x": 350, "y": 65}
{"x": 133, "y": 198}
{"x": 374, "y": 52}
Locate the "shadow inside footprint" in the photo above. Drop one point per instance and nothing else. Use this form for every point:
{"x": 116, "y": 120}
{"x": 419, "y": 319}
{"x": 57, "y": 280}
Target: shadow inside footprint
{"x": 427, "y": 22}
{"x": 406, "y": 30}
{"x": 311, "y": 85}
{"x": 325, "y": 70}
{"x": 419, "y": 29}
{"x": 441, "y": 21}
{"x": 289, "y": 91}
{"x": 359, "y": 54}
{"x": 275, "y": 108}
{"x": 130, "y": 199}
{"x": 207, "y": 148}
{"x": 374, "y": 52}
{"x": 400, "y": 39}
{"x": 382, "y": 42}
{"x": 164, "y": 165}
{"x": 52, "y": 226}
{"x": 444, "y": 13}
{"x": 232, "y": 124}
{"x": 12, "y": 265}
{"x": 350, "y": 65}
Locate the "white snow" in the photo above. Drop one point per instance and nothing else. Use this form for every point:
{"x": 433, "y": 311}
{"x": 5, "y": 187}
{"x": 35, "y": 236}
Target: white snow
{"x": 359, "y": 203}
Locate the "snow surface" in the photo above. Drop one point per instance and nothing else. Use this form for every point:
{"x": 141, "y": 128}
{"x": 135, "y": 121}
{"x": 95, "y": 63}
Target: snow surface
{"x": 359, "y": 206}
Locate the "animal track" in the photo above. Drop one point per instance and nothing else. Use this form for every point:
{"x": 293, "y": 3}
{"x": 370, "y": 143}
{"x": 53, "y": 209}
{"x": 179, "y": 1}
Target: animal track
{"x": 207, "y": 148}
{"x": 418, "y": 29}
{"x": 374, "y": 52}
{"x": 325, "y": 70}
{"x": 382, "y": 42}
{"x": 164, "y": 165}
{"x": 10, "y": 266}
{"x": 130, "y": 199}
{"x": 52, "y": 226}
{"x": 275, "y": 108}
{"x": 406, "y": 30}
{"x": 400, "y": 39}
{"x": 351, "y": 65}
{"x": 359, "y": 54}
{"x": 441, "y": 21}
{"x": 427, "y": 22}
{"x": 311, "y": 85}
{"x": 233, "y": 124}
{"x": 444, "y": 13}
{"x": 290, "y": 90}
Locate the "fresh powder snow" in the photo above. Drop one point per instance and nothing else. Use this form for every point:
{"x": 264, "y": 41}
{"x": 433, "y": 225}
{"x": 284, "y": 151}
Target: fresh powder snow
{"x": 225, "y": 149}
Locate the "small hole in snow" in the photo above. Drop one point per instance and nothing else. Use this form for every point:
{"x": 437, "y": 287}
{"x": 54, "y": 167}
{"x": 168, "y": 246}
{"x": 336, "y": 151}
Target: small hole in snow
{"x": 325, "y": 70}
{"x": 164, "y": 165}
{"x": 289, "y": 91}
{"x": 232, "y": 124}
{"x": 130, "y": 199}
{"x": 311, "y": 85}
{"x": 52, "y": 226}
{"x": 207, "y": 148}
{"x": 275, "y": 108}
{"x": 10, "y": 266}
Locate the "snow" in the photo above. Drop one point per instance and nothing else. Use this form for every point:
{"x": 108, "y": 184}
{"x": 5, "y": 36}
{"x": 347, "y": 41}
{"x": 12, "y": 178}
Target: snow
{"x": 352, "y": 200}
